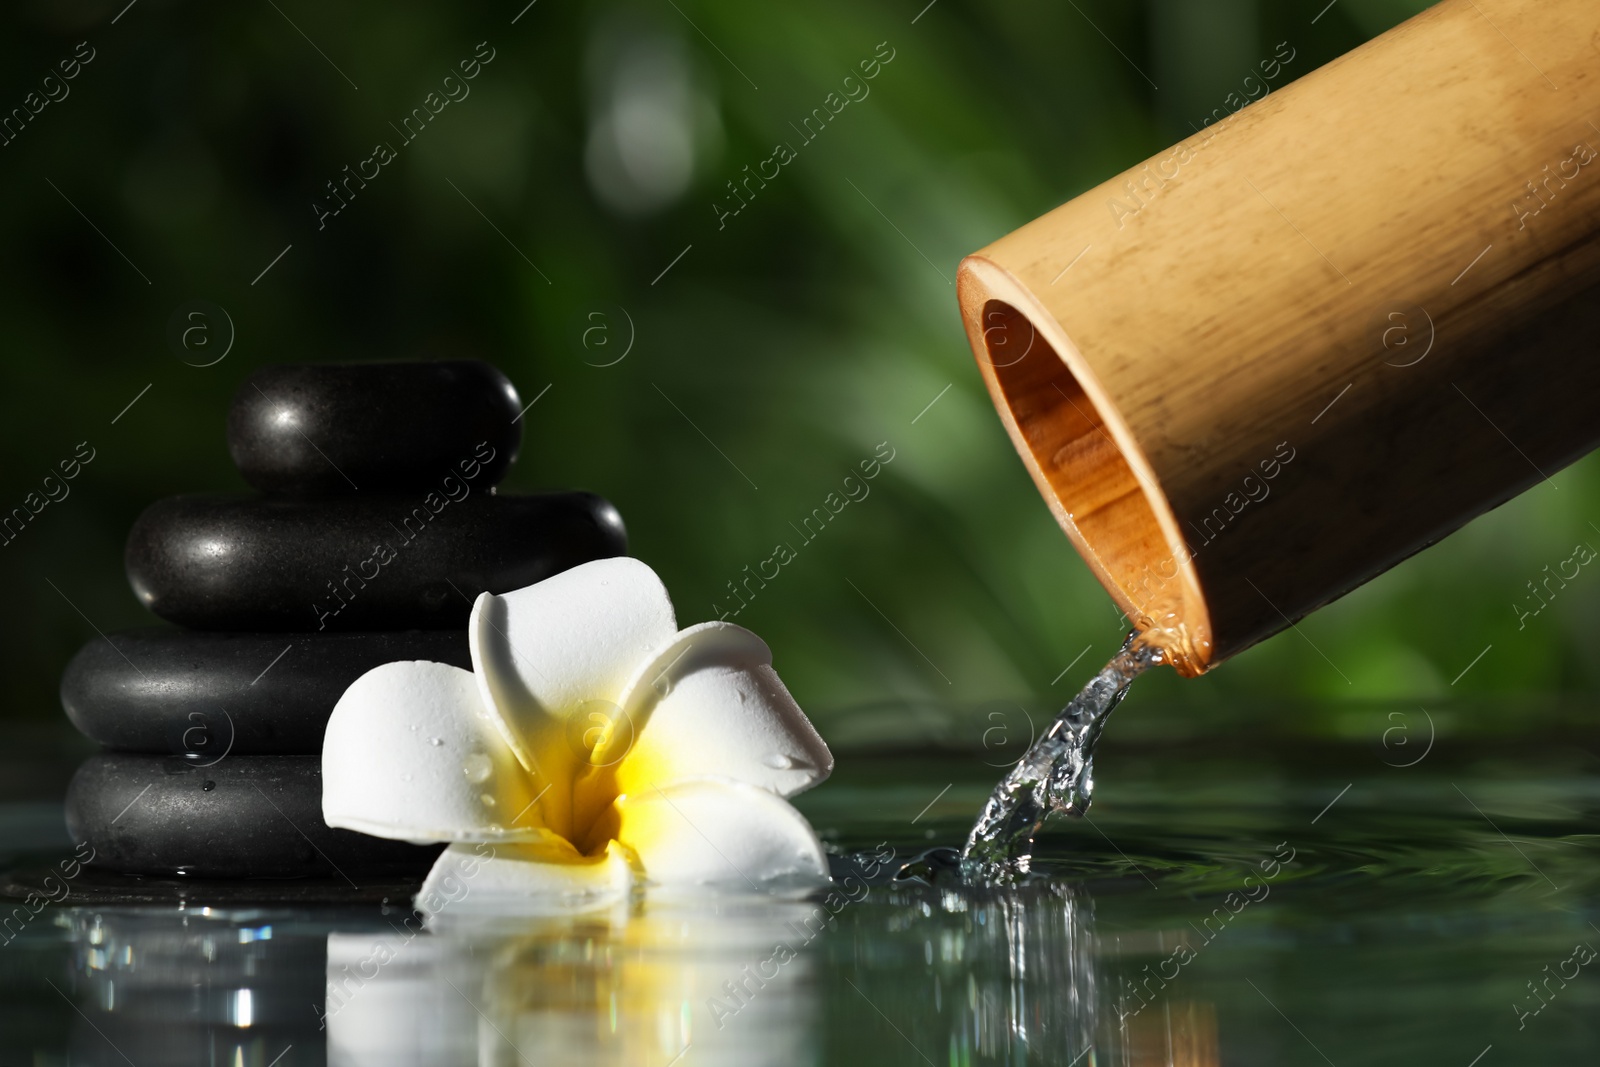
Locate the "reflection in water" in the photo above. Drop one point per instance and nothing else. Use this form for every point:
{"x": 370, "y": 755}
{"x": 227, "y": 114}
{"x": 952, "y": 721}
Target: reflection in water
{"x": 1015, "y": 976}
{"x": 192, "y": 986}
{"x": 1182, "y": 1034}
{"x": 998, "y": 974}
{"x": 1418, "y": 918}
{"x": 625, "y": 987}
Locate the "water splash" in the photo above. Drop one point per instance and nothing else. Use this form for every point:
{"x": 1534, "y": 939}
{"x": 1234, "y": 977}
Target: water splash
{"x": 1055, "y": 776}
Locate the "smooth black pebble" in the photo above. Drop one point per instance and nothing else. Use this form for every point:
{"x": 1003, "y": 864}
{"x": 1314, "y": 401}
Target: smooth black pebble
{"x": 261, "y": 818}
{"x": 210, "y": 694}
{"x": 337, "y": 428}
{"x": 355, "y": 563}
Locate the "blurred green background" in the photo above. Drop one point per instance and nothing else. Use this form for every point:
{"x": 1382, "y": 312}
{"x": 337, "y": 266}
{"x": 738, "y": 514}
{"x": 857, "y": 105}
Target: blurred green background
{"x": 576, "y": 189}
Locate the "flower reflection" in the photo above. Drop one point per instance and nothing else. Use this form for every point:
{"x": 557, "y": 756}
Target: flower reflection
{"x": 628, "y": 986}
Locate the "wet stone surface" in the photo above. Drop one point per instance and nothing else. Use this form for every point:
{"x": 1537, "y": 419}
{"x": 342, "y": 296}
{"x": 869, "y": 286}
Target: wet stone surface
{"x": 210, "y": 694}
{"x": 339, "y": 428}
{"x": 228, "y": 562}
{"x": 240, "y": 817}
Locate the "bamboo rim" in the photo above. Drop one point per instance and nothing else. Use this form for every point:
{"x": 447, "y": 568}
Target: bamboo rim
{"x": 1066, "y": 468}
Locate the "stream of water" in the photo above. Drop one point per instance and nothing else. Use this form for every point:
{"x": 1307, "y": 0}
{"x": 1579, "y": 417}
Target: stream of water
{"x": 1055, "y": 776}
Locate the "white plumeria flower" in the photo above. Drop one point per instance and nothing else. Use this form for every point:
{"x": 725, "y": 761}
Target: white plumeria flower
{"x": 594, "y": 746}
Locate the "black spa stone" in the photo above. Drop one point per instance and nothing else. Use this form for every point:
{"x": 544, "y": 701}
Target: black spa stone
{"x": 241, "y": 817}
{"x": 355, "y": 563}
{"x": 214, "y": 694}
{"x": 338, "y": 428}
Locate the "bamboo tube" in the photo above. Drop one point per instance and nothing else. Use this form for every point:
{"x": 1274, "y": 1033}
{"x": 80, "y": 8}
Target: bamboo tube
{"x": 1320, "y": 334}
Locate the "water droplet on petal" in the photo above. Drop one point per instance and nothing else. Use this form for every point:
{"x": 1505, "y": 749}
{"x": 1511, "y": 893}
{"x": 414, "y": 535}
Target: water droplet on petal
{"x": 477, "y": 767}
{"x": 778, "y": 761}
{"x": 435, "y": 741}
{"x": 488, "y": 801}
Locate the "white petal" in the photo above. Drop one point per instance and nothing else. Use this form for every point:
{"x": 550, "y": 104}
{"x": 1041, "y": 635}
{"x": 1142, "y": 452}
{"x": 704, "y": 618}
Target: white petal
{"x": 483, "y": 879}
{"x": 721, "y": 834}
{"x": 709, "y": 703}
{"x": 410, "y": 753}
{"x": 544, "y": 652}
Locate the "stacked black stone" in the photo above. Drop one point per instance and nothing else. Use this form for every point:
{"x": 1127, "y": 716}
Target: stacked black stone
{"x": 376, "y": 526}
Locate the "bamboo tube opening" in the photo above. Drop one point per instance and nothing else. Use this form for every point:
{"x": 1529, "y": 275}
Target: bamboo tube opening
{"x": 1068, "y": 436}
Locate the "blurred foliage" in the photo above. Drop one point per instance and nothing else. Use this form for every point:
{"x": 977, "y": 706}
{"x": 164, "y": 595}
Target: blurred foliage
{"x": 772, "y": 350}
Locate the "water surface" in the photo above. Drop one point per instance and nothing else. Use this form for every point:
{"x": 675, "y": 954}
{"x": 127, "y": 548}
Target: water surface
{"x": 1250, "y": 900}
